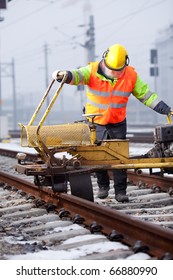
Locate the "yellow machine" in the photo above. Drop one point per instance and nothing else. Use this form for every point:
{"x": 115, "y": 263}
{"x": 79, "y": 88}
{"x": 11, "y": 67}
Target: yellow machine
{"x": 84, "y": 153}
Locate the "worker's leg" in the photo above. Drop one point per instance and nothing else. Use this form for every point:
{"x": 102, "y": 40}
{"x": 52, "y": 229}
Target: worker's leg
{"x": 118, "y": 131}
{"x": 103, "y": 183}
{"x": 120, "y": 181}
{"x": 102, "y": 176}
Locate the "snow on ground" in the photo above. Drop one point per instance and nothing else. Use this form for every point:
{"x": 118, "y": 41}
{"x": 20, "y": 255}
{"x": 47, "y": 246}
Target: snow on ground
{"x": 14, "y": 144}
{"x": 81, "y": 251}
{"x": 71, "y": 254}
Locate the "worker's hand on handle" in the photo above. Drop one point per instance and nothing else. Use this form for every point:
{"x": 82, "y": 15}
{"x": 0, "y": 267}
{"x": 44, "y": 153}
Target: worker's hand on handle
{"x": 59, "y": 75}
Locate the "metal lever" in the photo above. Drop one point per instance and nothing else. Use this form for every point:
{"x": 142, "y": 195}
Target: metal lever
{"x": 41, "y": 103}
{"x": 92, "y": 126}
{"x": 92, "y": 116}
{"x": 169, "y": 120}
{"x": 48, "y": 110}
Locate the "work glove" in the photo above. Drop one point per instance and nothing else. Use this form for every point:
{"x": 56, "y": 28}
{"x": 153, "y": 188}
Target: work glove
{"x": 59, "y": 75}
{"x": 162, "y": 108}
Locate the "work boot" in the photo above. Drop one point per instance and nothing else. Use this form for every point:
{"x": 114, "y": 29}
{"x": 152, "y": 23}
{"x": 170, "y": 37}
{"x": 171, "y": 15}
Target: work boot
{"x": 103, "y": 193}
{"x": 121, "y": 197}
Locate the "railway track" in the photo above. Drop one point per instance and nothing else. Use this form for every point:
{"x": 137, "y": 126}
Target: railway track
{"x": 30, "y": 213}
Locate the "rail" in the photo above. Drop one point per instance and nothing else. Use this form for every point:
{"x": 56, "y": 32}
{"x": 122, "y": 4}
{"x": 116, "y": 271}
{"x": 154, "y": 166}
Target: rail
{"x": 158, "y": 240}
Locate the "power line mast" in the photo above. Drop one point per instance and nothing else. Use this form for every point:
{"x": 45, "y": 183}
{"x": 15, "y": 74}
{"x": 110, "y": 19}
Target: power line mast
{"x": 90, "y": 43}
{"x": 46, "y": 74}
{"x": 90, "y": 49}
{"x": 7, "y": 70}
{"x": 3, "y": 6}
{"x": 14, "y": 95}
{"x": 46, "y": 68}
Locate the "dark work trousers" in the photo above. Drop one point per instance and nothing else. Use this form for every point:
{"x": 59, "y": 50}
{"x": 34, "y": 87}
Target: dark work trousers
{"x": 112, "y": 131}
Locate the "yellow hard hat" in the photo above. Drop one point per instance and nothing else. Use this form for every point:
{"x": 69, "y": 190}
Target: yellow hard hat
{"x": 116, "y": 57}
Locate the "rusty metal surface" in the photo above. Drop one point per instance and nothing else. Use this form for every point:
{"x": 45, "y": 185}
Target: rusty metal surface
{"x": 158, "y": 239}
{"x": 151, "y": 181}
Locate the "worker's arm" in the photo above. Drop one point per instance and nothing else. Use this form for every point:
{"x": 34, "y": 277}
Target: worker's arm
{"x": 142, "y": 93}
{"x": 75, "y": 76}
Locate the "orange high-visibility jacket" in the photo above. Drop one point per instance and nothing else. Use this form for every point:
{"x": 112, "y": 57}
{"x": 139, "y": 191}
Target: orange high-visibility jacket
{"x": 108, "y": 98}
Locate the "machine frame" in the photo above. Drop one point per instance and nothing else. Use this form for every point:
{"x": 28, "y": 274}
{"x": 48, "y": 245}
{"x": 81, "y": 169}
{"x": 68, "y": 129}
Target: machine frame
{"x": 86, "y": 157}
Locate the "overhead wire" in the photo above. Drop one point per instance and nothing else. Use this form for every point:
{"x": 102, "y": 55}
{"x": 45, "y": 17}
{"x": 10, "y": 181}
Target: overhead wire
{"x": 73, "y": 39}
{"x": 26, "y": 16}
{"x": 141, "y": 10}
{"x": 127, "y": 18}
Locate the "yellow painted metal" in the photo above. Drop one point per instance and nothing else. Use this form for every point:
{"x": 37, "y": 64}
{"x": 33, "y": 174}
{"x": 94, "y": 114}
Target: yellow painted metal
{"x": 169, "y": 119}
{"x": 126, "y": 163}
{"x": 39, "y": 138}
{"x": 93, "y": 134}
{"x": 144, "y": 165}
{"x": 56, "y": 135}
{"x": 41, "y": 103}
{"x": 79, "y": 140}
{"x": 107, "y": 151}
{"x": 30, "y": 135}
{"x": 114, "y": 154}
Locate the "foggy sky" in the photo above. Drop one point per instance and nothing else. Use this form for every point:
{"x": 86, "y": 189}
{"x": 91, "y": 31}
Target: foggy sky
{"x": 62, "y": 25}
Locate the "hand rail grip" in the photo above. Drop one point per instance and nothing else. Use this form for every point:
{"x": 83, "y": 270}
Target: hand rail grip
{"x": 48, "y": 110}
{"x": 41, "y": 103}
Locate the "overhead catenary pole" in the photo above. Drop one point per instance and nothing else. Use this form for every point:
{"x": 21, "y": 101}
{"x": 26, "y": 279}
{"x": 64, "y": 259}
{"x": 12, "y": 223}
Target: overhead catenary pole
{"x": 14, "y": 96}
{"x": 0, "y": 92}
{"x": 8, "y": 70}
{"x": 90, "y": 49}
{"x": 46, "y": 72}
{"x": 1, "y": 19}
{"x": 90, "y": 43}
{"x": 46, "y": 67}
{"x": 154, "y": 72}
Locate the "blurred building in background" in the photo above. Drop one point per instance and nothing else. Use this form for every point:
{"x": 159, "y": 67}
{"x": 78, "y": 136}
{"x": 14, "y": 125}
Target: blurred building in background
{"x": 164, "y": 45}
{"x": 161, "y": 73}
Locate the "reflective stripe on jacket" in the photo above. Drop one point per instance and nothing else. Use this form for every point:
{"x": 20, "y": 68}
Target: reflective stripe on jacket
{"x": 108, "y": 98}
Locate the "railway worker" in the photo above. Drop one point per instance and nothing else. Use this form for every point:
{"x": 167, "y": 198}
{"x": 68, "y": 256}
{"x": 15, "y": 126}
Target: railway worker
{"x": 110, "y": 82}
